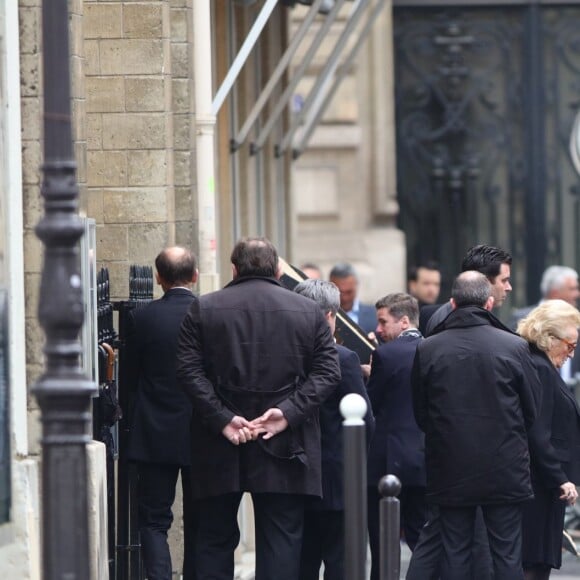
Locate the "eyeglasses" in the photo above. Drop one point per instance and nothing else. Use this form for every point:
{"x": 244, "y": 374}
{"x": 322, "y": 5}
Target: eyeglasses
{"x": 571, "y": 346}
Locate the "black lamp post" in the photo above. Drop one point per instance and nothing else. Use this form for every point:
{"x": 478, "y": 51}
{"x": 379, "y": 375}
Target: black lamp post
{"x": 63, "y": 392}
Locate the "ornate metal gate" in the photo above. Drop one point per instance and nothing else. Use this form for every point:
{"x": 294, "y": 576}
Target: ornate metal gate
{"x": 486, "y": 97}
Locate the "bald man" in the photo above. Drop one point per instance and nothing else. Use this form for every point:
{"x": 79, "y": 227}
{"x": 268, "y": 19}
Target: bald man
{"x": 159, "y": 439}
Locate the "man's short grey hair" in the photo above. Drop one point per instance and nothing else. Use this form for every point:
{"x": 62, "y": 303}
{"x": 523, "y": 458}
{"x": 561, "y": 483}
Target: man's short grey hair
{"x": 470, "y": 288}
{"x": 324, "y": 293}
{"x": 343, "y": 270}
{"x": 554, "y": 277}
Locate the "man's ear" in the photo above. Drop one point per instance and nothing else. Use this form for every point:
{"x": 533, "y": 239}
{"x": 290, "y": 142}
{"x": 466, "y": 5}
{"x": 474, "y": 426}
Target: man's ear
{"x": 234, "y": 272}
{"x": 489, "y": 303}
{"x": 405, "y": 322}
{"x": 158, "y": 279}
{"x": 195, "y": 276}
{"x": 453, "y": 304}
{"x": 279, "y": 271}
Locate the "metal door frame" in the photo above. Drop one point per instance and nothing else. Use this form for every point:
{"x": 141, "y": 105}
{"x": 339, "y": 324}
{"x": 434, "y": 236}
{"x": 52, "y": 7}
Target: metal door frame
{"x": 535, "y": 126}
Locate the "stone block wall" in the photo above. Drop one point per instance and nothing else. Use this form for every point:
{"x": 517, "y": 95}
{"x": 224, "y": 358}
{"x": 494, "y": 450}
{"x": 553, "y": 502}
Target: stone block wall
{"x": 132, "y": 105}
{"x": 138, "y": 110}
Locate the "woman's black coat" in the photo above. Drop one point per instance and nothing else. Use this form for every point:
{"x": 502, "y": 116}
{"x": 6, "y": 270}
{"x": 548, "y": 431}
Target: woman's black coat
{"x": 555, "y": 436}
{"x": 555, "y": 459}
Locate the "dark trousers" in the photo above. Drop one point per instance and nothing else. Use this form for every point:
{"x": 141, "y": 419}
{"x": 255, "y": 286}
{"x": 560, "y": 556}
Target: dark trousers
{"x": 155, "y": 497}
{"x": 427, "y": 557}
{"x": 323, "y": 541}
{"x": 503, "y": 523}
{"x": 278, "y": 522}
{"x": 412, "y": 506}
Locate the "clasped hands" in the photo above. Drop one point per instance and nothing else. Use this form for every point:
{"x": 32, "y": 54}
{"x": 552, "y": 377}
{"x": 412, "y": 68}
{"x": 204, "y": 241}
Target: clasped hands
{"x": 569, "y": 493}
{"x": 240, "y": 430}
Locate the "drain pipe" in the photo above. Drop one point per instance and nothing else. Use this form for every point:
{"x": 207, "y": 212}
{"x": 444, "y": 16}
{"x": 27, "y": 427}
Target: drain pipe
{"x": 205, "y": 122}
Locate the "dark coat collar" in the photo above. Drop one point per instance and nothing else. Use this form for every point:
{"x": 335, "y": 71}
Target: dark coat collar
{"x": 563, "y": 386}
{"x": 540, "y": 352}
{"x": 177, "y": 291}
{"x": 243, "y": 279}
{"x": 466, "y": 316}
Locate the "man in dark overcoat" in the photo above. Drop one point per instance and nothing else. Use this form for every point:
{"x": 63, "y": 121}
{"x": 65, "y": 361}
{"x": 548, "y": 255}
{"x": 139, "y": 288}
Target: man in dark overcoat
{"x": 256, "y": 360}
{"x": 323, "y": 539}
{"x": 398, "y": 445}
{"x": 474, "y": 395}
{"x": 495, "y": 264}
{"x": 161, "y": 416}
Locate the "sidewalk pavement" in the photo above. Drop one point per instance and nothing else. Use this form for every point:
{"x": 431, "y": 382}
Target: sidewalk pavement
{"x": 570, "y": 566}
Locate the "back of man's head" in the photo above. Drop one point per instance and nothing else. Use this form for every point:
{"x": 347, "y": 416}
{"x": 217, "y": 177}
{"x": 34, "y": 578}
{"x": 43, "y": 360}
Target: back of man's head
{"x": 176, "y": 266}
{"x": 342, "y": 270}
{"x": 470, "y": 288}
{"x": 555, "y": 278}
{"x": 324, "y": 293}
{"x": 255, "y": 257}
{"x": 485, "y": 259}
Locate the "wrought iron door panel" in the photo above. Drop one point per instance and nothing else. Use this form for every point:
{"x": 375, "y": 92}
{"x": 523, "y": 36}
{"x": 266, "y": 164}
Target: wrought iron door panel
{"x": 561, "y": 35}
{"x": 470, "y": 104}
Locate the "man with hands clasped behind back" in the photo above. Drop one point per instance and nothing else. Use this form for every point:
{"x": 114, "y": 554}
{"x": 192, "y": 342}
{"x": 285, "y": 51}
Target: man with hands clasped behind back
{"x": 256, "y": 360}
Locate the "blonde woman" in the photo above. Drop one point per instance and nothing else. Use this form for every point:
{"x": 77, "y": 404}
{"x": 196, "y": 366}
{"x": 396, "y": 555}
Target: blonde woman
{"x": 552, "y": 331}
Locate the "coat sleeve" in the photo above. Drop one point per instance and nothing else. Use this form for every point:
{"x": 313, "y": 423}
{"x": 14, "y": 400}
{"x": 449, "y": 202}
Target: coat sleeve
{"x": 376, "y": 383}
{"x": 531, "y": 389}
{"x": 420, "y": 402}
{"x": 542, "y": 452}
{"x": 192, "y": 377}
{"x": 353, "y": 380}
{"x": 320, "y": 382}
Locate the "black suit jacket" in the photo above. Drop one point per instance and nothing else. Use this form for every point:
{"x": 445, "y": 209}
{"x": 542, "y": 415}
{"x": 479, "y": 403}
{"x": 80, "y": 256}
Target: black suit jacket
{"x": 160, "y": 419}
{"x": 437, "y": 317}
{"x": 331, "y": 430}
{"x": 398, "y": 445}
{"x": 426, "y": 311}
{"x": 367, "y": 317}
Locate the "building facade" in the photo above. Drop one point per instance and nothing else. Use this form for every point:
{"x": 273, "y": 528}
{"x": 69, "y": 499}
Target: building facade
{"x": 140, "y": 140}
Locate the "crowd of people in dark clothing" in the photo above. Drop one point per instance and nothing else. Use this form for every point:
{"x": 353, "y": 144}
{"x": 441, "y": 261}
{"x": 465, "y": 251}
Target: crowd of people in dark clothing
{"x": 238, "y": 391}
